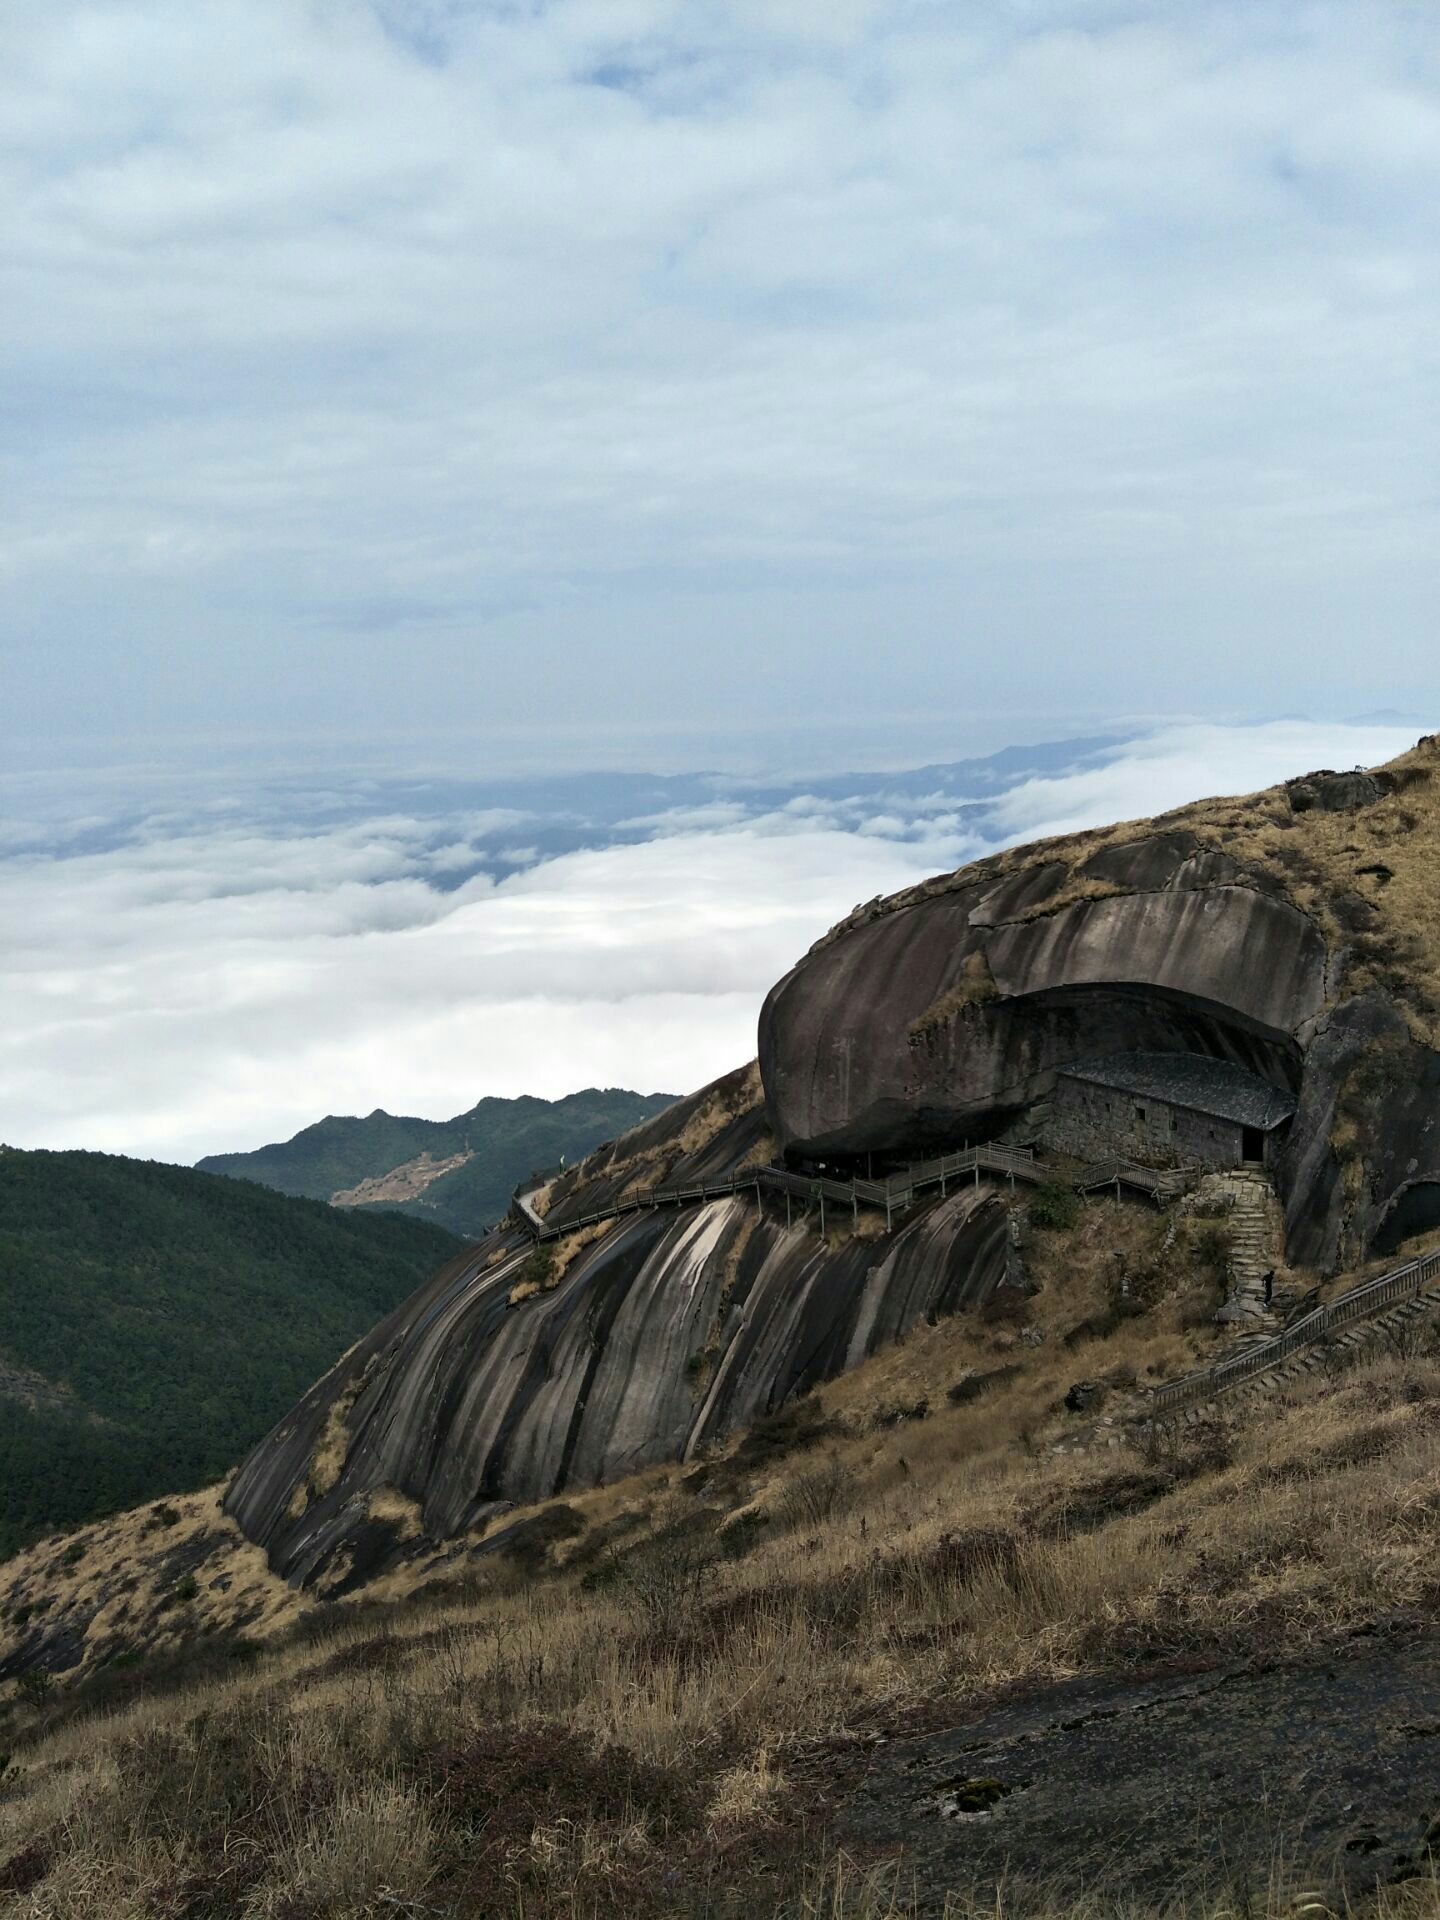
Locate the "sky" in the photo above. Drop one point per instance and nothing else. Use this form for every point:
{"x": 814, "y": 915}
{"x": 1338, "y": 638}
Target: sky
{"x": 630, "y": 383}
{"x": 203, "y": 967}
{"x": 515, "y": 514}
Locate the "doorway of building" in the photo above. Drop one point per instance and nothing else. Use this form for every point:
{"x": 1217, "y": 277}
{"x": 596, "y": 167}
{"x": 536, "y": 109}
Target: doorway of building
{"x": 1252, "y": 1146}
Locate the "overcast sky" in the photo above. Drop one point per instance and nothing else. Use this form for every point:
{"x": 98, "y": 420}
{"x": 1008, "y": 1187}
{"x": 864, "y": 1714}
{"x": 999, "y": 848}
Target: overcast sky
{"x": 551, "y": 375}
{"x": 405, "y": 401}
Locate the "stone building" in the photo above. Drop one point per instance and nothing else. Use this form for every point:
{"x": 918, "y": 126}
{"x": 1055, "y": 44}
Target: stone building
{"x": 1155, "y": 1107}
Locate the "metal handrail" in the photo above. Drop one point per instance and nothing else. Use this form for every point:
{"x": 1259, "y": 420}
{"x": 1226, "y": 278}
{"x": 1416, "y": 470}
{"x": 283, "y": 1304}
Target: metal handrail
{"x": 1357, "y": 1303}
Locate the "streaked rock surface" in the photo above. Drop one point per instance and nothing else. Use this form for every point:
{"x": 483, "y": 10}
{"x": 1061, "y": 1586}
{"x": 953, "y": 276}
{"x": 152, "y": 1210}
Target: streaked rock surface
{"x": 944, "y": 1015}
{"x": 860, "y": 1051}
{"x": 1264, "y": 931}
{"x": 670, "y": 1331}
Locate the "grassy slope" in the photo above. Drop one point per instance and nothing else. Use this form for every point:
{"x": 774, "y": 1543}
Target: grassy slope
{"x": 880, "y": 1559}
{"x": 508, "y": 1139}
{"x": 178, "y": 1314}
{"x": 879, "y": 1567}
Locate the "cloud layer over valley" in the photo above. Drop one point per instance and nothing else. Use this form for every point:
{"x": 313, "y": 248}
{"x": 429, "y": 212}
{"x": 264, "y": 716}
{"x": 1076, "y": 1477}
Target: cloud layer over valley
{"x": 185, "y": 979}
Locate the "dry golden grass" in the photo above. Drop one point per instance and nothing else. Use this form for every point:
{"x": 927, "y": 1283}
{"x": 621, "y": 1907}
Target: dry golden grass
{"x": 1075, "y": 1274}
{"x": 975, "y": 986}
{"x": 648, "y": 1689}
{"x": 967, "y": 1570}
{"x": 546, "y": 1266}
{"x": 334, "y": 1442}
{"x": 120, "y": 1576}
{"x": 723, "y": 1106}
{"x": 640, "y": 1167}
{"x": 890, "y": 1554}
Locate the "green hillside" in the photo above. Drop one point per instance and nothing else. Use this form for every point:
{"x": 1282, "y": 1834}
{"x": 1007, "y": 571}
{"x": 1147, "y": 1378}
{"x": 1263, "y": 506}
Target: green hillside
{"x": 504, "y": 1140}
{"x": 156, "y": 1321}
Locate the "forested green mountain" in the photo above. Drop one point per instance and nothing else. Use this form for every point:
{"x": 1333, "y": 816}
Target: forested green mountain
{"x": 459, "y": 1173}
{"x": 156, "y": 1321}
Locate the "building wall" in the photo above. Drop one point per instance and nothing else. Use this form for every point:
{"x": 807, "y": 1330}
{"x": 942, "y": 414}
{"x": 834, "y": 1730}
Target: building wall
{"x": 1092, "y": 1122}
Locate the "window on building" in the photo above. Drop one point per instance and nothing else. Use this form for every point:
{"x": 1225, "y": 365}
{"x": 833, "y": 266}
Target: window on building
{"x": 1139, "y": 1113}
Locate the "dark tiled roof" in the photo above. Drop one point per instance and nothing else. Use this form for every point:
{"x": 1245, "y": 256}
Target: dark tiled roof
{"x": 1190, "y": 1080}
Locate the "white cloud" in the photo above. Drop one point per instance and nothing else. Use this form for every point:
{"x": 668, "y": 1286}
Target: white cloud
{"x": 1178, "y": 764}
{"x": 150, "y": 1013}
{"x": 189, "y": 991}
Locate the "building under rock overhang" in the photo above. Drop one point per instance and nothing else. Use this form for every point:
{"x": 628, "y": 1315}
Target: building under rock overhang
{"x": 1156, "y": 1106}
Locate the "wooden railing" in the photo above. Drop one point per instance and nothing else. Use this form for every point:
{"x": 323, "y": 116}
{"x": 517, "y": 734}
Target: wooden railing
{"x": 1160, "y": 1181}
{"x": 1360, "y": 1303}
{"x": 890, "y": 1196}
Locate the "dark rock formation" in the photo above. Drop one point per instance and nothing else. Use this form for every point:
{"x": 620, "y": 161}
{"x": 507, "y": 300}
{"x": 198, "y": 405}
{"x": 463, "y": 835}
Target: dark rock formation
{"x": 944, "y": 1016}
{"x": 702, "y": 1137}
{"x": 1180, "y": 1785}
{"x": 872, "y": 1042}
{"x": 1361, "y": 1169}
{"x": 1085, "y": 1396}
{"x": 1334, "y": 792}
{"x": 671, "y": 1331}
{"x": 1243, "y": 931}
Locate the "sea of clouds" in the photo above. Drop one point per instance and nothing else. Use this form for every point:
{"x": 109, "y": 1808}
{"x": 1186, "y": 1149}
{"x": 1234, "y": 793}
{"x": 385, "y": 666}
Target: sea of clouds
{"x": 200, "y": 964}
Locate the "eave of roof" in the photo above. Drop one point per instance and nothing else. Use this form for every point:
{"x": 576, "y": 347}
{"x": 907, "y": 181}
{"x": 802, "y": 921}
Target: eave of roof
{"x": 1216, "y": 1088}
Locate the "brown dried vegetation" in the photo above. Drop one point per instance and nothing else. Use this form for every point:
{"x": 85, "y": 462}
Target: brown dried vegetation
{"x": 630, "y": 1714}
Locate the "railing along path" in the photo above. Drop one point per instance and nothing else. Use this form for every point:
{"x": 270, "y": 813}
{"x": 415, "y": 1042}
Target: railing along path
{"x": 1364, "y": 1302}
{"x": 890, "y": 1196}
{"x": 893, "y": 1195}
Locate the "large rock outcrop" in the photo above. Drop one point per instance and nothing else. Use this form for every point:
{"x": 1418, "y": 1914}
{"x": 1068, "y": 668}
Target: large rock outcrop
{"x": 1291, "y": 932}
{"x": 943, "y": 1020}
{"x": 670, "y": 1331}
{"x": 1266, "y": 931}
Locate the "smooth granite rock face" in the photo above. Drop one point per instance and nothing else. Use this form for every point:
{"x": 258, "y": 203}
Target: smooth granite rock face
{"x": 1361, "y": 1167}
{"x": 945, "y": 1017}
{"x": 673, "y": 1330}
{"x": 729, "y": 1118}
{"x": 918, "y": 1023}
{"x": 859, "y": 1051}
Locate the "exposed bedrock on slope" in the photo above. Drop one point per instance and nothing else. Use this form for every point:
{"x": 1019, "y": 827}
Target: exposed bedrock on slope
{"x": 1291, "y": 941}
{"x": 1361, "y": 1168}
{"x": 702, "y": 1137}
{"x": 938, "y": 1021}
{"x": 671, "y": 1331}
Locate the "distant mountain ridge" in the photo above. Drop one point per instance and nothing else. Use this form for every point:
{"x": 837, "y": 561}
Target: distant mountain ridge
{"x": 458, "y": 1174}
{"x": 156, "y": 1321}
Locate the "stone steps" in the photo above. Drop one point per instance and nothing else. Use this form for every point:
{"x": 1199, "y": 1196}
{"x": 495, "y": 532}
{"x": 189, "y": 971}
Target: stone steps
{"x": 1254, "y": 1226}
{"x": 1389, "y": 1324}
{"x": 1317, "y": 1358}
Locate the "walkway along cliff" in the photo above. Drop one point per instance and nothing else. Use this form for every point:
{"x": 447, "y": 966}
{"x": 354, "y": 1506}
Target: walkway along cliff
{"x": 682, "y": 1282}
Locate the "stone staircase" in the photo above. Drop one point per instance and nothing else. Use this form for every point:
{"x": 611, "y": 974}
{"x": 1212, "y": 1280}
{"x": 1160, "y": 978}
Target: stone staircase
{"x": 1256, "y": 1226}
{"x": 1389, "y": 1328}
{"x": 1408, "y": 1319}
